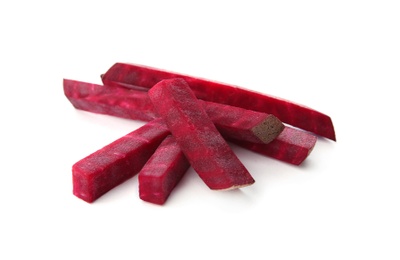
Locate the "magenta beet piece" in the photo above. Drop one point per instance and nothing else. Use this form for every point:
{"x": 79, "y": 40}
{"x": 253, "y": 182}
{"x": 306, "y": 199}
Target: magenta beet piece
{"x": 162, "y": 172}
{"x": 133, "y": 104}
{"x": 122, "y": 74}
{"x": 291, "y": 146}
{"x": 242, "y": 124}
{"x": 204, "y": 147}
{"x": 106, "y": 168}
{"x": 232, "y": 122}
{"x": 121, "y": 102}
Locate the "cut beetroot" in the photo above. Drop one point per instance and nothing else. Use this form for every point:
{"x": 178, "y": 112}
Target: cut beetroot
{"x": 204, "y": 147}
{"x": 242, "y": 124}
{"x": 232, "y": 122}
{"x": 131, "y": 75}
{"x": 291, "y": 146}
{"x": 162, "y": 172}
{"x": 121, "y": 102}
{"x": 133, "y": 104}
{"x": 108, "y": 167}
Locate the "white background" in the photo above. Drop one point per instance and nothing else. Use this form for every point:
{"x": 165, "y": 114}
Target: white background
{"x": 339, "y": 57}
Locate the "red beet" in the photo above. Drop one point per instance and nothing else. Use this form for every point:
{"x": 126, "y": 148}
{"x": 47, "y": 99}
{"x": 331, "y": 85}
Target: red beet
{"x": 204, "y": 147}
{"x": 242, "y": 124}
{"x": 121, "y": 102}
{"x": 132, "y": 104}
{"x": 232, "y": 122}
{"x": 122, "y": 74}
{"x": 292, "y": 146}
{"x": 162, "y": 172}
{"x": 106, "y": 168}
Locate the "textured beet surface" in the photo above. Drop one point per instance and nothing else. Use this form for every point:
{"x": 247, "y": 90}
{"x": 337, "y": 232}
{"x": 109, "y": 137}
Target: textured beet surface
{"x": 291, "y": 146}
{"x": 106, "y": 168}
{"x": 122, "y": 74}
{"x": 162, "y": 172}
{"x": 232, "y": 122}
{"x": 242, "y": 124}
{"x": 204, "y": 147}
{"x": 133, "y": 104}
{"x": 121, "y": 102}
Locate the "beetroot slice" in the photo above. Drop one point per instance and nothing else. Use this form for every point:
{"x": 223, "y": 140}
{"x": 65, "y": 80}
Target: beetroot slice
{"x": 108, "y": 167}
{"x": 132, "y": 104}
{"x": 204, "y": 147}
{"x": 232, "y": 122}
{"x": 162, "y": 172}
{"x": 126, "y": 75}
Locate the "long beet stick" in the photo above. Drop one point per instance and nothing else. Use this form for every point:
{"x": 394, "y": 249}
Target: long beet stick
{"x": 292, "y": 147}
{"x": 232, "y": 122}
{"x": 134, "y": 76}
{"x": 204, "y": 147}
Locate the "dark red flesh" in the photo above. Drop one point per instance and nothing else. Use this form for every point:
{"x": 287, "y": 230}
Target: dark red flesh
{"x": 204, "y": 147}
{"x": 136, "y": 105}
{"x": 132, "y": 75}
{"x": 108, "y": 167}
{"x": 162, "y": 172}
{"x": 232, "y": 122}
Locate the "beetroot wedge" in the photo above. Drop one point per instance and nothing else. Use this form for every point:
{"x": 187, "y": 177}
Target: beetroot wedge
{"x": 162, "y": 172}
{"x": 232, "y": 122}
{"x": 108, "y": 167}
{"x": 132, "y": 75}
{"x": 204, "y": 147}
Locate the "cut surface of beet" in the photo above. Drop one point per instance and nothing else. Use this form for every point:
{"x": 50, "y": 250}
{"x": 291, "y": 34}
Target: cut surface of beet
{"x": 126, "y": 75}
{"x": 233, "y": 122}
{"x": 162, "y": 172}
{"x": 113, "y": 164}
{"x": 204, "y": 147}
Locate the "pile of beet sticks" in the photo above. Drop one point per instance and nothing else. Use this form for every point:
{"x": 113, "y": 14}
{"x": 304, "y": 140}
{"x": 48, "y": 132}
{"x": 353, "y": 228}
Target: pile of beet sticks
{"x": 189, "y": 121}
